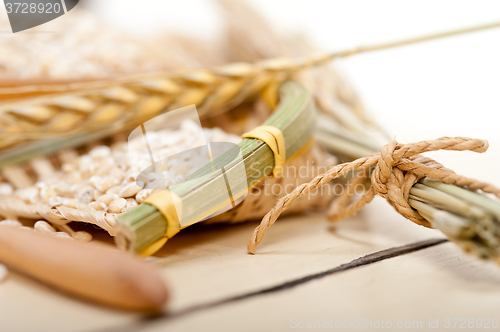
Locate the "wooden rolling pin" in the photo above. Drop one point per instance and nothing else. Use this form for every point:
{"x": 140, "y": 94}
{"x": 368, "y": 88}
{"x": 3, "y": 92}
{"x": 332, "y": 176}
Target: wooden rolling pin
{"x": 94, "y": 272}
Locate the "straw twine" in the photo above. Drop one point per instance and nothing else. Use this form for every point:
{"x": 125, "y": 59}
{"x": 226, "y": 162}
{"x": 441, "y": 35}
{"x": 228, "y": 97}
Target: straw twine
{"x": 60, "y": 215}
{"x": 75, "y": 108}
{"x": 393, "y": 172}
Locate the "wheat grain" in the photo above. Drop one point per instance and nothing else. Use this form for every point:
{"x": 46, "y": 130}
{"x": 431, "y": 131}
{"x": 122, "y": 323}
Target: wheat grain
{"x": 86, "y": 195}
{"x": 131, "y": 204}
{"x": 70, "y": 202}
{"x": 115, "y": 190}
{"x": 98, "y": 206}
{"x": 3, "y": 273}
{"x": 10, "y": 222}
{"x": 55, "y": 201}
{"x": 107, "y": 198}
{"x": 63, "y": 235}
{"x": 6, "y": 189}
{"x": 44, "y": 227}
{"x": 117, "y": 206}
{"x": 131, "y": 189}
{"x": 82, "y": 236}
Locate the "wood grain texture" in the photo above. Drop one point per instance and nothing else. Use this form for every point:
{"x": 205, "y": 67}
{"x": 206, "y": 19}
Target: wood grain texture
{"x": 430, "y": 285}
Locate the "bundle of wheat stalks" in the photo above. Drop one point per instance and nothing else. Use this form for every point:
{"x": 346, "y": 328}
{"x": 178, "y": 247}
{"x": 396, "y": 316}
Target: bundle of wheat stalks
{"x": 236, "y": 97}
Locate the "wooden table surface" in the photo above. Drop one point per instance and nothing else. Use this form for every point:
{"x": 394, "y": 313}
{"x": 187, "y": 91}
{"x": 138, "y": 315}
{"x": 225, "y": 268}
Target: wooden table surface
{"x": 367, "y": 271}
{"x": 372, "y": 267}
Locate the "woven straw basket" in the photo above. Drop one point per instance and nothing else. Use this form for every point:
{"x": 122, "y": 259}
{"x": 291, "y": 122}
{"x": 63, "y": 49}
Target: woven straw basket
{"x": 30, "y": 117}
{"x": 40, "y": 169}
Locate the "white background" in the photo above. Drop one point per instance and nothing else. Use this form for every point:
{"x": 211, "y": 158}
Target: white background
{"x": 448, "y": 87}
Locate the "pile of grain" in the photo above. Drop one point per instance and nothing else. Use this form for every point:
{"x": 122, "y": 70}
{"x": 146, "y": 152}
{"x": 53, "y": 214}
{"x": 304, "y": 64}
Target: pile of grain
{"x": 105, "y": 178}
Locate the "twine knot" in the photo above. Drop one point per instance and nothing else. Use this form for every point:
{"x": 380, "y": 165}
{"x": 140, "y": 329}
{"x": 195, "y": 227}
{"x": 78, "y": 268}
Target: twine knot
{"x": 392, "y": 173}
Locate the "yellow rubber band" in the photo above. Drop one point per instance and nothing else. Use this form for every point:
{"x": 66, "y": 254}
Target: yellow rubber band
{"x": 170, "y": 206}
{"x": 273, "y": 137}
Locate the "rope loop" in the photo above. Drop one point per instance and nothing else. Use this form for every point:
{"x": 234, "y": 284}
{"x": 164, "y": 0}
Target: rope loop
{"x": 392, "y": 172}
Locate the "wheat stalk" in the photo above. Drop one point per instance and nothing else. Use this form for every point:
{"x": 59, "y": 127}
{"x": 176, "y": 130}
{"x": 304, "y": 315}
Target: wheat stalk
{"x": 74, "y": 109}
